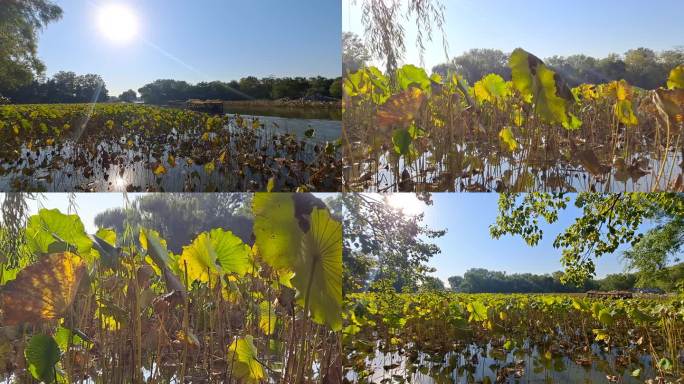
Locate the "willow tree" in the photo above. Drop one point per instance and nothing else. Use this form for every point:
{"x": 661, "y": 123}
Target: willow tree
{"x": 384, "y": 31}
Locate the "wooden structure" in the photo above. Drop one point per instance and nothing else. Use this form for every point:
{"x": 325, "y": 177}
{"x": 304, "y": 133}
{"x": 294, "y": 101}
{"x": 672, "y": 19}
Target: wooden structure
{"x": 206, "y": 106}
{"x": 610, "y": 294}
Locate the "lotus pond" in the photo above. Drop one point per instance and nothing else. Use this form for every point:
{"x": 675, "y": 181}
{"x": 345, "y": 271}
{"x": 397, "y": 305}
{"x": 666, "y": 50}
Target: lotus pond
{"x": 495, "y": 338}
{"x": 415, "y": 132}
{"x": 119, "y": 147}
{"x": 122, "y": 308}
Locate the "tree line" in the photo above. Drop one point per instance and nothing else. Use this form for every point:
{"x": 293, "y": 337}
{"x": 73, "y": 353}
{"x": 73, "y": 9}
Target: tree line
{"x": 63, "y": 87}
{"x": 68, "y": 87}
{"x": 247, "y": 88}
{"x": 642, "y": 67}
{"x": 479, "y": 280}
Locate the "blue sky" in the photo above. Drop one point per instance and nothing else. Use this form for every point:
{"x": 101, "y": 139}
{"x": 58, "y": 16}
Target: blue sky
{"x": 467, "y": 244}
{"x": 544, "y": 27}
{"x": 199, "y": 40}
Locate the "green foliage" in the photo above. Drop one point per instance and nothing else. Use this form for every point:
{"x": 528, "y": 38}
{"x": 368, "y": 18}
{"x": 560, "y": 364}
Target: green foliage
{"x": 655, "y": 251}
{"x": 478, "y": 311}
{"x": 508, "y": 139}
{"x": 243, "y": 355}
{"x": 318, "y": 269}
{"x": 479, "y": 280}
{"x": 402, "y": 141}
{"x": 178, "y": 218}
{"x": 492, "y": 88}
{"x": 607, "y": 221}
{"x": 248, "y": 305}
{"x": 278, "y": 240}
{"x": 267, "y": 317}
{"x": 63, "y": 87}
{"x": 20, "y": 22}
{"x": 128, "y": 96}
{"x": 382, "y": 239}
{"x": 544, "y": 88}
{"x": 476, "y": 64}
{"x": 232, "y": 254}
{"x": 431, "y": 283}
{"x": 367, "y": 82}
{"x": 213, "y": 253}
{"x": 642, "y": 67}
{"x": 50, "y": 228}
{"x": 676, "y": 80}
{"x": 412, "y": 76}
{"x": 248, "y": 88}
{"x": 354, "y": 53}
{"x": 42, "y": 354}
{"x": 308, "y": 243}
{"x": 441, "y": 325}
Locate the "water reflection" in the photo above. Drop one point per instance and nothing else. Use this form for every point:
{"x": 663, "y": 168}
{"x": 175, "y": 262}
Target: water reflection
{"x": 239, "y": 157}
{"x": 477, "y": 167}
{"x": 529, "y": 364}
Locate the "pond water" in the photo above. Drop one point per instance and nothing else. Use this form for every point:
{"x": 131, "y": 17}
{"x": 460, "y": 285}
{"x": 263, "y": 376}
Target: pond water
{"x": 312, "y": 113}
{"x": 494, "y": 365}
{"x": 483, "y": 168}
{"x": 325, "y": 129}
{"x": 278, "y": 148}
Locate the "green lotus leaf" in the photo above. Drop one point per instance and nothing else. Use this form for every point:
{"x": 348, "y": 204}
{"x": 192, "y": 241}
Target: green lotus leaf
{"x": 64, "y": 337}
{"x": 42, "y": 354}
{"x": 507, "y": 138}
{"x": 200, "y": 259}
{"x": 606, "y": 317}
{"x": 267, "y": 317}
{"x": 155, "y": 245}
{"x": 402, "y": 141}
{"x": 108, "y": 235}
{"x": 51, "y": 226}
{"x": 665, "y": 364}
{"x": 232, "y": 254}
{"x": 625, "y": 113}
{"x": 676, "y": 79}
{"x": 491, "y": 88}
{"x": 318, "y": 270}
{"x": 478, "y": 311}
{"x": 278, "y": 238}
{"x": 242, "y": 356}
{"x": 410, "y": 75}
{"x": 542, "y": 86}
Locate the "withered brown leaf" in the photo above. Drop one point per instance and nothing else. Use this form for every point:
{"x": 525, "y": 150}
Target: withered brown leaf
{"x": 400, "y": 109}
{"x": 42, "y": 291}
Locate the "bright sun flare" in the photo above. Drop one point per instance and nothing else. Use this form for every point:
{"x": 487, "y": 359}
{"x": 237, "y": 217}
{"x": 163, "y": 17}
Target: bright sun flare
{"x": 407, "y": 202}
{"x": 118, "y": 23}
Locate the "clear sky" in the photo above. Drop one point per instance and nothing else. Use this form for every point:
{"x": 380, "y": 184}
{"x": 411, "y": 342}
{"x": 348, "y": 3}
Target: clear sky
{"x": 545, "y": 27}
{"x": 198, "y": 40}
{"x": 467, "y": 244}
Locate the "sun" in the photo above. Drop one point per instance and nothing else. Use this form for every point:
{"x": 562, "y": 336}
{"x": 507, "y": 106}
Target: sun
{"x": 118, "y": 23}
{"x": 407, "y": 202}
